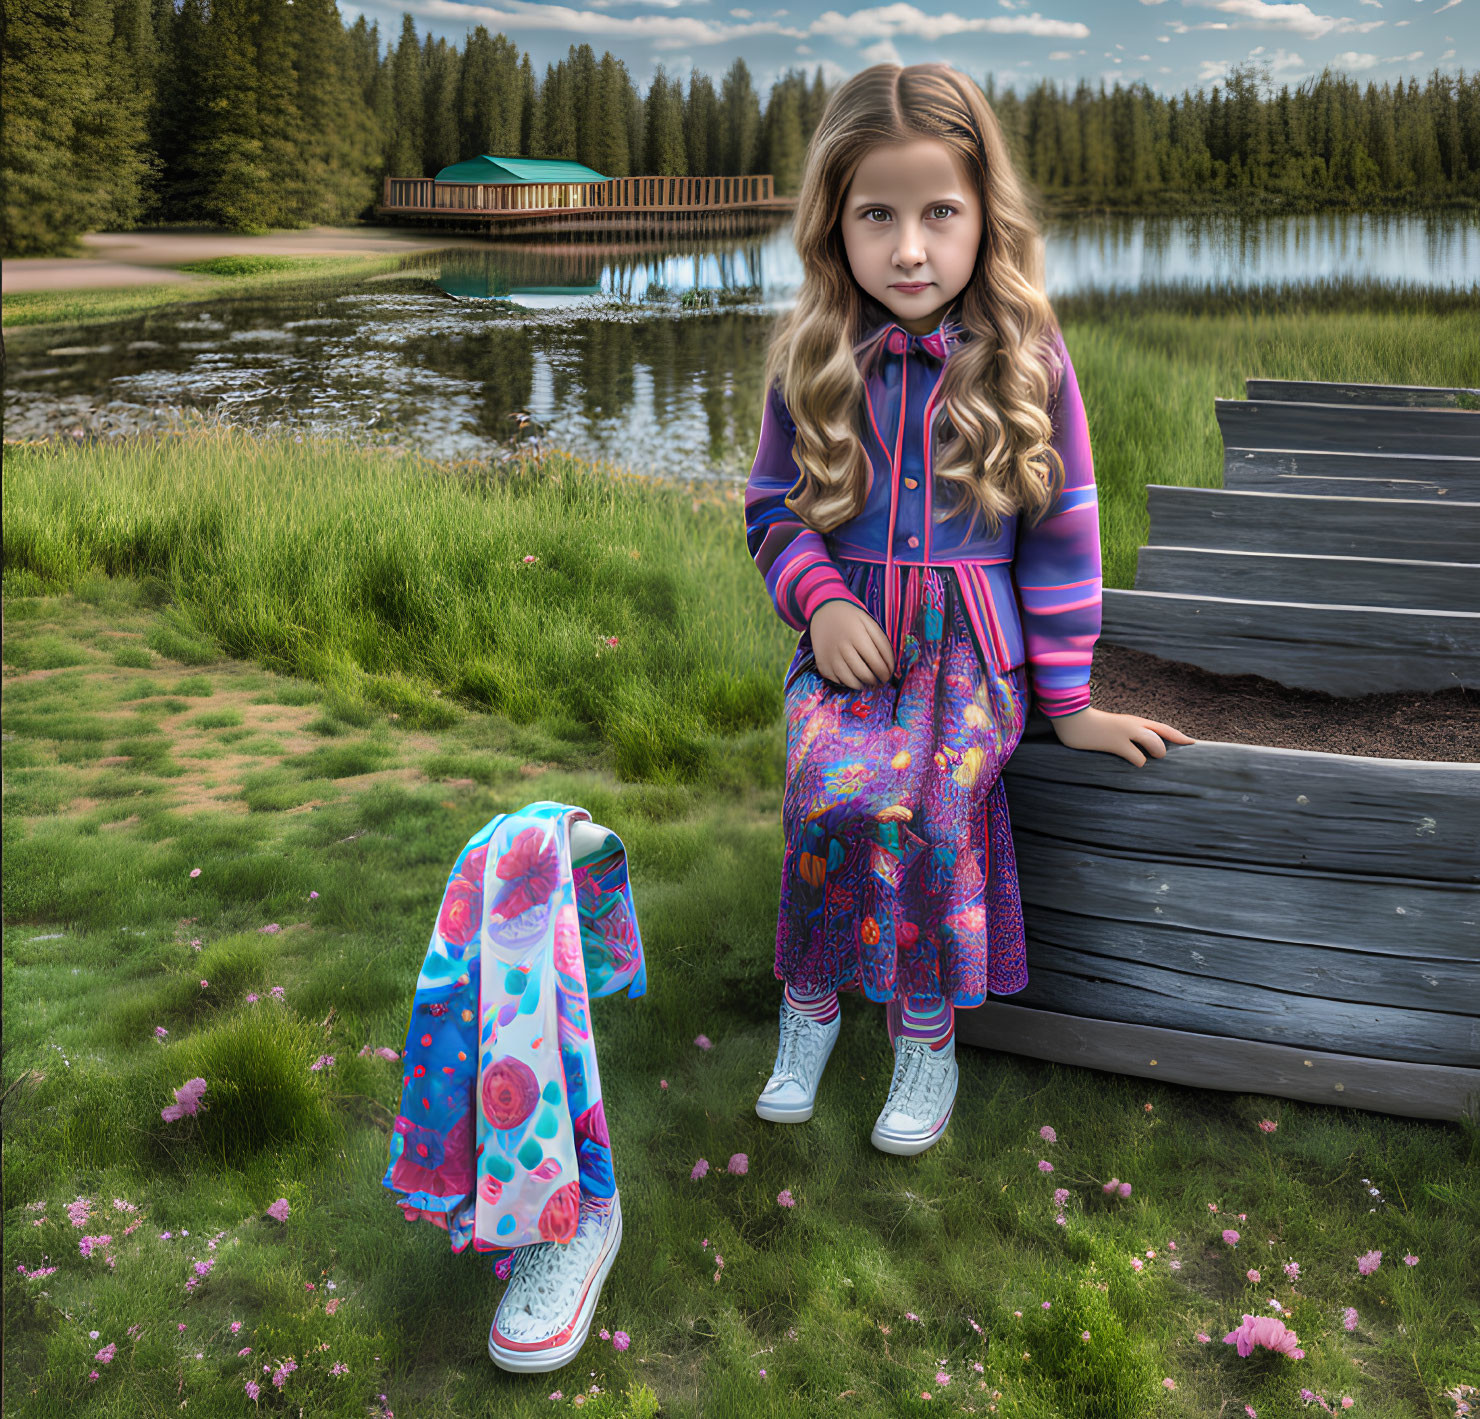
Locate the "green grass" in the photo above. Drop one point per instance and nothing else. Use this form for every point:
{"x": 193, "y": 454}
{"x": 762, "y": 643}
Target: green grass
{"x": 228, "y": 277}
{"x": 339, "y": 834}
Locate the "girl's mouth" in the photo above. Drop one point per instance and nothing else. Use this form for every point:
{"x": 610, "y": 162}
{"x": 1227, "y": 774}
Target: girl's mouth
{"x": 908, "y": 286}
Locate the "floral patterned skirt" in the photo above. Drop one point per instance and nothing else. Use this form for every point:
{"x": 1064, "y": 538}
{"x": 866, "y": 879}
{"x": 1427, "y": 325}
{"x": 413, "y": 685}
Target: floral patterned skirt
{"x": 899, "y": 877}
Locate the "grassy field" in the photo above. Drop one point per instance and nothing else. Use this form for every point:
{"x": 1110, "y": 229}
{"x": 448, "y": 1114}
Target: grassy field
{"x": 227, "y": 277}
{"x": 311, "y": 673}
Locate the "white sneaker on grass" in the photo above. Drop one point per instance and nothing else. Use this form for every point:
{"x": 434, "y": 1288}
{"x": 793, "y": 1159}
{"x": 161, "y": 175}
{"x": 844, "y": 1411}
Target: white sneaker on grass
{"x": 922, "y": 1095}
{"x": 545, "y": 1315}
{"x": 801, "y": 1056}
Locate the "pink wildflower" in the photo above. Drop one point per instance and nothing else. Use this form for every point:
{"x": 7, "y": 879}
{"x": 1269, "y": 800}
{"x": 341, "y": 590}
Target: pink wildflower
{"x": 739, "y": 1164}
{"x": 252, "y": 998}
{"x": 195, "y": 872}
{"x": 313, "y": 896}
{"x": 1349, "y": 1317}
{"x": 1169, "y": 1383}
{"x": 1292, "y": 1270}
{"x": 160, "y": 1032}
{"x": 1044, "y": 1166}
{"x": 1368, "y": 1262}
{"x": 324, "y": 1061}
{"x": 1124, "y": 1189}
{"x": 1060, "y": 1196}
{"x": 331, "y": 1306}
{"x": 1111, "y": 1185}
{"x": 1137, "y": 1264}
{"x": 1046, "y": 1132}
{"x": 187, "y": 1101}
{"x": 662, "y": 1083}
{"x": 621, "y": 1340}
{"x": 106, "y": 1354}
{"x": 279, "y": 1210}
{"x": 1230, "y": 1236}
{"x": 941, "y": 1378}
{"x": 703, "y": 1041}
{"x": 271, "y": 929}
{"x": 205, "y": 985}
{"x": 1252, "y": 1275}
{"x": 385, "y": 1052}
{"x": 1202, "y": 1338}
{"x": 1263, "y": 1332}
{"x": 700, "y": 1169}
{"x": 1084, "y": 1335}
{"x": 1410, "y": 1260}
{"x": 1268, "y": 1125}
{"x": 785, "y": 1199}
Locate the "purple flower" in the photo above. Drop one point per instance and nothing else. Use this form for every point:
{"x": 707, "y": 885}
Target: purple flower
{"x": 1044, "y": 1166}
{"x": 621, "y": 1340}
{"x": 313, "y": 896}
{"x": 195, "y": 872}
{"x": 739, "y": 1164}
{"x": 1047, "y": 1133}
{"x": 324, "y": 1061}
{"x": 701, "y": 1168}
{"x": 279, "y": 1210}
{"x": 1060, "y": 1196}
{"x": 187, "y": 1101}
{"x": 1368, "y": 1262}
{"x": 1349, "y": 1317}
{"x": 1292, "y": 1270}
{"x": 1230, "y": 1236}
{"x": 1410, "y": 1260}
{"x": 703, "y": 1042}
{"x": 106, "y": 1354}
{"x": 785, "y": 1199}
{"x": 1124, "y": 1189}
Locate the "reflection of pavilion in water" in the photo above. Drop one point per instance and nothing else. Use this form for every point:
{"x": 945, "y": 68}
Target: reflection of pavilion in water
{"x": 544, "y": 276}
{"x": 501, "y": 196}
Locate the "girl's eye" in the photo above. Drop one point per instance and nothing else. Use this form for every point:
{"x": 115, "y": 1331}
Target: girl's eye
{"x": 939, "y": 207}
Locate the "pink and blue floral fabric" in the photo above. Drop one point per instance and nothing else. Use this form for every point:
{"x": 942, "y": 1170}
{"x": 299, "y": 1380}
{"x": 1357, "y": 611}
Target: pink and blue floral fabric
{"x": 501, "y": 1126}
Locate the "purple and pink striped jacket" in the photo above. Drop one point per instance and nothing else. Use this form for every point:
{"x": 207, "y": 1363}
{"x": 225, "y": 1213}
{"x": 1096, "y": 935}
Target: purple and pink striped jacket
{"x": 1032, "y": 593}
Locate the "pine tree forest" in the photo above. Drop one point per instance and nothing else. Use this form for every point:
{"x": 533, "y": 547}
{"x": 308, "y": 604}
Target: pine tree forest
{"x": 250, "y": 115}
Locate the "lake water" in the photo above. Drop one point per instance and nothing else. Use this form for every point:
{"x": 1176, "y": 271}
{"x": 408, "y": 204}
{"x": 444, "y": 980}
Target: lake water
{"x": 594, "y": 341}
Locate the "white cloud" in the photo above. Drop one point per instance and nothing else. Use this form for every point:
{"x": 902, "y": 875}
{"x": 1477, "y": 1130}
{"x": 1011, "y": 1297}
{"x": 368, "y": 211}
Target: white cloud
{"x": 1211, "y": 69}
{"x": 742, "y": 14}
{"x": 1284, "y": 62}
{"x": 1163, "y": 39}
{"x": 663, "y": 32}
{"x": 1297, "y": 18}
{"x": 1060, "y": 54}
{"x": 1442, "y": 8}
{"x": 1376, "y": 3}
{"x": 1404, "y": 58}
{"x": 1448, "y": 53}
{"x": 881, "y": 52}
{"x": 1350, "y": 60}
{"x": 901, "y": 19}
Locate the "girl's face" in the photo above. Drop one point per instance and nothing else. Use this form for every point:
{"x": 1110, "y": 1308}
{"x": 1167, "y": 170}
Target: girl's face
{"x": 911, "y": 226}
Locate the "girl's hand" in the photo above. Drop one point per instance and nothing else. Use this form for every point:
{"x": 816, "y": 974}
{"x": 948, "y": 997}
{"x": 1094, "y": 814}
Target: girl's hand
{"x": 849, "y": 646}
{"x": 1123, "y": 734}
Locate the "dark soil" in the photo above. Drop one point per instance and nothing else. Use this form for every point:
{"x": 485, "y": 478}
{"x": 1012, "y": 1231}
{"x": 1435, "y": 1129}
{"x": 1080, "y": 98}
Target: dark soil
{"x": 1248, "y": 709}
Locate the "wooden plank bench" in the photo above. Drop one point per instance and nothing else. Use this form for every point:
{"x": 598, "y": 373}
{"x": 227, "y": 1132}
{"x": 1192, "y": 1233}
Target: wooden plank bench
{"x": 1314, "y": 391}
{"x": 1347, "y": 428}
{"x": 1366, "y": 475}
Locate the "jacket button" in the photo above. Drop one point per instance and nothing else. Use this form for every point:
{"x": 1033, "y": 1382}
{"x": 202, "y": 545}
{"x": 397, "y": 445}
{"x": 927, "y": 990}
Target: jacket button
{"x": 896, "y": 341}
{"x": 914, "y": 541}
{"x": 912, "y": 482}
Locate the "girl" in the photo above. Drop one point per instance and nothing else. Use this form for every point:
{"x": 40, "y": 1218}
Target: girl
{"x": 919, "y": 399}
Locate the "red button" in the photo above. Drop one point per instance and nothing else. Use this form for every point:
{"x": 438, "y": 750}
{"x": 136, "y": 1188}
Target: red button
{"x": 914, "y": 541}
{"x": 896, "y": 341}
{"x": 912, "y": 482}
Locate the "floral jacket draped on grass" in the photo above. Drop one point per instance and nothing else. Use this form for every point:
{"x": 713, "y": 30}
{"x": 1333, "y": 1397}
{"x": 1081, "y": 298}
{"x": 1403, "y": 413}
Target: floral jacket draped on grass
{"x": 501, "y": 1124}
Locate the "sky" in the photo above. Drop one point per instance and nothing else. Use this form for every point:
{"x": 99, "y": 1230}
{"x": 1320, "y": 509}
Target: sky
{"x": 1170, "y": 45}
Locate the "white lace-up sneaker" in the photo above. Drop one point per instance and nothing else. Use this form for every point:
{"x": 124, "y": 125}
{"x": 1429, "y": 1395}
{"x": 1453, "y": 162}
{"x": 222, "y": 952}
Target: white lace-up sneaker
{"x": 545, "y": 1315}
{"x": 791, "y": 1091}
{"x": 921, "y": 1097}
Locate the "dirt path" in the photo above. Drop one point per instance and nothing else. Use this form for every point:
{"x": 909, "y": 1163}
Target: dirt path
{"x": 143, "y": 258}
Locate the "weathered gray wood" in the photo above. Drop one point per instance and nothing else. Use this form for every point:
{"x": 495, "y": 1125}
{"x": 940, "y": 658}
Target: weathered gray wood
{"x": 1311, "y": 391}
{"x": 1359, "y": 428}
{"x": 1410, "y": 982}
{"x": 1341, "y": 650}
{"x": 1388, "y": 916}
{"x": 1251, "y": 804}
{"x": 1366, "y": 475}
{"x": 1221, "y": 518}
{"x": 1109, "y": 988}
{"x": 1292, "y": 576}
{"x": 1219, "y": 1062}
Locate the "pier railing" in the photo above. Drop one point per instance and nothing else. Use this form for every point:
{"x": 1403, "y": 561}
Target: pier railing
{"x": 424, "y": 195}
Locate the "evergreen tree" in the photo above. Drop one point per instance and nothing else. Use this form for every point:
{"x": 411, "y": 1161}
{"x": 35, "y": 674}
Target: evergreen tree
{"x": 406, "y": 157}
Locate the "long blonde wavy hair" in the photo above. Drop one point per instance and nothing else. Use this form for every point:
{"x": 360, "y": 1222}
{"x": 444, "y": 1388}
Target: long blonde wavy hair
{"x": 995, "y": 387}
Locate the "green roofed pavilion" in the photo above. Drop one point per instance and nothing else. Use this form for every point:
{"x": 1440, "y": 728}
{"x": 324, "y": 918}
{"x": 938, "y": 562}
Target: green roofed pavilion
{"x": 490, "y": 169}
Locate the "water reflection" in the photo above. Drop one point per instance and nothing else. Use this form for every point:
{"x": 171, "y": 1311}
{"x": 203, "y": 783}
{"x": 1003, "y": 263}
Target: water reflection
{"x": 650, "y": 358}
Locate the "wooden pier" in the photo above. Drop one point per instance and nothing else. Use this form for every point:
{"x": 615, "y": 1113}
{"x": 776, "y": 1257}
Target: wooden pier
{"x": 618, "y": 205}
{"x": 1276, "y": 921}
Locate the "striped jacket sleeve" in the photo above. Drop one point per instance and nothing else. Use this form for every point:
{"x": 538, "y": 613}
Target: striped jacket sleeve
{"x": 799, "y": 572}
{"x": 1056, "y": 566}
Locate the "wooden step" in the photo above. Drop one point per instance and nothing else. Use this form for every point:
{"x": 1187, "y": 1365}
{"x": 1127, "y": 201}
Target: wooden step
{"x": 1280, "y": 809}
{"x": 1368, "y": 475}
{"x": 1310, "y": 391}
{"x": 1353, "y": 428}
{"x": 1293, "y": 576}
{"x": 1228, "y": 520}
{"x": 1338, "y": 649}
{"x": 1221, "y": 1062}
